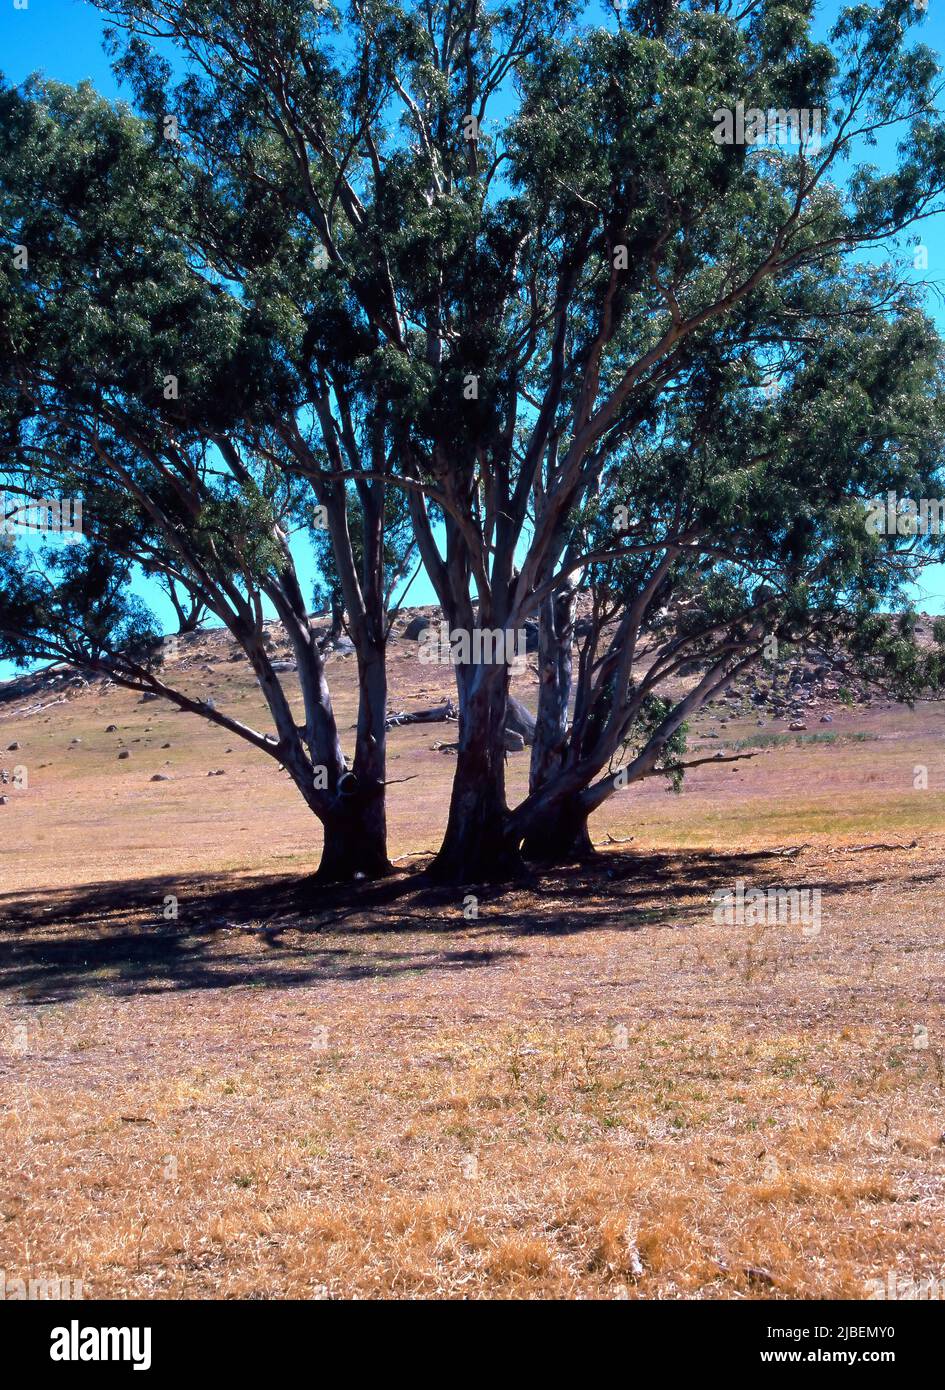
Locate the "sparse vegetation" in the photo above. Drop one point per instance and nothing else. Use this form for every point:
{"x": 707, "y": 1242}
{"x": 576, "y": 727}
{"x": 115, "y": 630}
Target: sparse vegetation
{"x": 356, "y": 302}
{"x": 471, "y": 1121}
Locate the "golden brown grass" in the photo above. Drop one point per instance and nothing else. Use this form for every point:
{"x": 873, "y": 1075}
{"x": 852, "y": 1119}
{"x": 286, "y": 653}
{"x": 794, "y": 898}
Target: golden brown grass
{"x": 591, "y": 1090}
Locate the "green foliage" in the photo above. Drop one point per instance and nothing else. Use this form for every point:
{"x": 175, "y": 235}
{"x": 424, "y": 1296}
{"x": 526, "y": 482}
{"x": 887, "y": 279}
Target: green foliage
{"x": 328, "y": 256}
{"x": 70, "y": 602}
{"x": 672, "y": 749}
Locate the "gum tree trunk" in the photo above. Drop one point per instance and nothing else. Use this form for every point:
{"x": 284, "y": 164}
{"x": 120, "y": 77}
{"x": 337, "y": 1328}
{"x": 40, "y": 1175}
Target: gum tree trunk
{"x": 355, "y": 842}
{"x": 355, "y": 819}
{"x": 368, "y": 792}
{"x": 555, "y": 637}
{"x": 559, "y": 835}
{"x": 476, "y": 848}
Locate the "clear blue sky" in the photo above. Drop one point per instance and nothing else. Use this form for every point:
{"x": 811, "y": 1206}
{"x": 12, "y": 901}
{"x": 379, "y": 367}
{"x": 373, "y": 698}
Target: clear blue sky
{"x": 63, "y": 39}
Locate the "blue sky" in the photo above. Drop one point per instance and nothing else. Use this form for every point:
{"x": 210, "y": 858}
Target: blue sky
{"x": 63, "y": 39}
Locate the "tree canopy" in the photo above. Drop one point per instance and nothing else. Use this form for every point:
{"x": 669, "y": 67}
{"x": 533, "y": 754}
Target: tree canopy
{"x": 488, "y": 269}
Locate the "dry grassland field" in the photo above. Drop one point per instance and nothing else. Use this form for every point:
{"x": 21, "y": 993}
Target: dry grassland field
{"x": 593, "y": 1089}
{"x": 472, "y": 686}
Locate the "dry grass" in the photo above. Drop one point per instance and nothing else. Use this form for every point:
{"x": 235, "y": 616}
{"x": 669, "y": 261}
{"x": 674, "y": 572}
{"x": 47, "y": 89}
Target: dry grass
{"x": 591, "y": 1090}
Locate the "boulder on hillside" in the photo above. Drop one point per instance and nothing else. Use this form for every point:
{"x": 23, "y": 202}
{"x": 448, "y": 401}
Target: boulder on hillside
{"x": 416, "y": 625}
{"x": 519, "y": 720}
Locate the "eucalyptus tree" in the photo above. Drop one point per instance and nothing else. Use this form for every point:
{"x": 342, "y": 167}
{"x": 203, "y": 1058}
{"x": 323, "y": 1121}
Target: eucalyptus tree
{"x": 137, "y": 378}
{"x": 529, "y": 218}
{"x": 744, "y": 519}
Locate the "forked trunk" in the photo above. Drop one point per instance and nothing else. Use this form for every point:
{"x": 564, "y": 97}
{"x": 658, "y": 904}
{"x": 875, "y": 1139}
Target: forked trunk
{"x": 355, "y": 844}
{"x": 370, "y": 759}
{"x": 557, "y": 834}
{"x": 561, "y": 836}
{"x": 476, "y": 848}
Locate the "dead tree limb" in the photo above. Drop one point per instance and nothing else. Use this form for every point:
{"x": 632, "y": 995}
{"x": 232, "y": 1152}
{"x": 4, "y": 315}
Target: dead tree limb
{"x": 437, "y": 715}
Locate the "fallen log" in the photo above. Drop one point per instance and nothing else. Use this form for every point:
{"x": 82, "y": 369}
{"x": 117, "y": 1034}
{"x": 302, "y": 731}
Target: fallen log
{"x": 862, "y": 849}
{"x": 437, "y": 715}
{"x": 518, "y": 719}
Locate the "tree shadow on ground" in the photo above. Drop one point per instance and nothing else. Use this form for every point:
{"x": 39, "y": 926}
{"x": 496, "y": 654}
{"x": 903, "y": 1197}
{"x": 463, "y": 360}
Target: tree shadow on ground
{"x": 114, "y": 937}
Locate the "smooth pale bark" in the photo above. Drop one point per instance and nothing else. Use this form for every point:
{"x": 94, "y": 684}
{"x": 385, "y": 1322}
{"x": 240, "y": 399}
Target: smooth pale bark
{"x": 350, "y": 802}
{"x": 561, "y": 835}
{"x": 556, "y": 634}
{"x": 370, "y": 766}
{"x": 356, "y": 843}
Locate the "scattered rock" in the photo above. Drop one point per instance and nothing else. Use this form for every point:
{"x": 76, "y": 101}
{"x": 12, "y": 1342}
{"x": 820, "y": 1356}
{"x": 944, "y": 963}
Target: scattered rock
{"x": 826, "y": 719}
{"x": 74, "y": 741}
{"x": 12, "y": 747}
{"x": 519, "y": 720}
{"x": 280, "y": 667}
{"x": 112, "y": 729}
{"x": 148, "y": 696}
{"x": 3, "y": 800}
{"x": 797, "y": 726}
{"x": 217, "y": 772}
{"x": 160, "y": 777}
{"x": 123, "y": 754}
{"x": 414, "y": 628}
